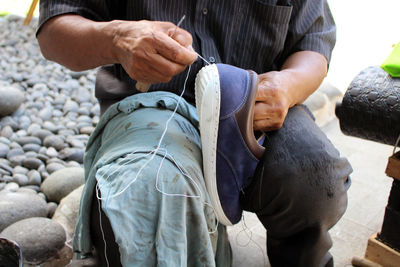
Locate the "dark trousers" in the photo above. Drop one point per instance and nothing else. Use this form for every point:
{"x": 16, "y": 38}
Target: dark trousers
{"x": 299, "y": 192}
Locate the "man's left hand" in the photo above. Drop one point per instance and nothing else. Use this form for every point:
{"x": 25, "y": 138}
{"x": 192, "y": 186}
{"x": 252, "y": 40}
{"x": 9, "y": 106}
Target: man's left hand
{"x": 272, "y": 101}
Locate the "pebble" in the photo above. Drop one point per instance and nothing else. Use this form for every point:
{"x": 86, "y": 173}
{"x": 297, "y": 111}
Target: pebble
{"x": 11, "y": 99}
{"x": 49, "y": 238}
{"x": 62, "y": 182}
{"x": 52, "y": 101}
{"x": 17, "y": 206}
{"x": 4, "y": 149}
{"x": 31, "y": 163}
{"x": 54, "y": 141}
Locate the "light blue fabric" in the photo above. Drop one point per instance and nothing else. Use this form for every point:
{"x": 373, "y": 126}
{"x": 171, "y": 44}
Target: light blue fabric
{"x": 160, "y": 215}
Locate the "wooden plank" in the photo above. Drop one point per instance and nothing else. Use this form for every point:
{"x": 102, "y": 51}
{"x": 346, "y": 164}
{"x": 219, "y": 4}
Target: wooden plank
{"x": 382, "y": 254}
{"x": 30, "y": 12}
{"x": 393, "y": 166}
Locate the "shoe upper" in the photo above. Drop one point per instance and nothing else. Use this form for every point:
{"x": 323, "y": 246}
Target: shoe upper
{"x": 237, "y": 148}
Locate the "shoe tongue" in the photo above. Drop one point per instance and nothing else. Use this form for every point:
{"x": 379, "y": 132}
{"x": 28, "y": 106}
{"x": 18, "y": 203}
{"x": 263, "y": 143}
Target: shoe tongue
{"x": 234, "y": 86}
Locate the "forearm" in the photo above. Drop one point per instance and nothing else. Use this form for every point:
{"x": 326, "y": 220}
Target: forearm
{"x": 303, "y": 73}
{"x": 76, "y": 42}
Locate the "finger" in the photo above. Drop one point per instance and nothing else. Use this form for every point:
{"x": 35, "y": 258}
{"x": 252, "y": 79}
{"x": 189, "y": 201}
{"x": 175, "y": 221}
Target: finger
{"x": 182, "y": 36}
{"x": 164, "y": 65}
{"x": 265, "y": 125}
{"x": 172, "y": 50}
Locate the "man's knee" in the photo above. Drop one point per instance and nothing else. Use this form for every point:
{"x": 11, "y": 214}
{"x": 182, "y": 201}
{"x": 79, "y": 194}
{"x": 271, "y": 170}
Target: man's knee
{"x": 301, "y": 177}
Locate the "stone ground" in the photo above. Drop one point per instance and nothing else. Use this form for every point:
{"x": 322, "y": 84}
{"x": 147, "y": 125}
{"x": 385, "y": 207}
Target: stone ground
{"x": 367, "y": 197}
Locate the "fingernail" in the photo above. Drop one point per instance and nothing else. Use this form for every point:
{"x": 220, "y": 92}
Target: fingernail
{"x": 190, "y": 47}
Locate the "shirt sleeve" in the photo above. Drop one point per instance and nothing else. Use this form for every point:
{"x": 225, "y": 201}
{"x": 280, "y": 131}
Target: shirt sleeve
{"x": 311, "y": 28}
{"x": 96, "y": 10}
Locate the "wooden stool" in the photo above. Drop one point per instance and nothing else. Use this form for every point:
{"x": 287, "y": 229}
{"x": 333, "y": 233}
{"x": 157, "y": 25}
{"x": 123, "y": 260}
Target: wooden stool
{"x": 383, "y": 249}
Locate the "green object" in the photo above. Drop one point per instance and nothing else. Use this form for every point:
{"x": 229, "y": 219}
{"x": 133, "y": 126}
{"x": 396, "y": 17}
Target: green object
{"x": 392, "y": 63}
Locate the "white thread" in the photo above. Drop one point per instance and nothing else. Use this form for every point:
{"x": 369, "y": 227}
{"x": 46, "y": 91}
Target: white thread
{"x": 101, "y": 228}
{"x": 154, "y": 152}
{"x": 244, "y": 228}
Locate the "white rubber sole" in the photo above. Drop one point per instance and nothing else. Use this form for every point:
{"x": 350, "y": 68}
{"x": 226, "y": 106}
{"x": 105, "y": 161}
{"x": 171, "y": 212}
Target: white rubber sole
{"x": 208, "y": 101}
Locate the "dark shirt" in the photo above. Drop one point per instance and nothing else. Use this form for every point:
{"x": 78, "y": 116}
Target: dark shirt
{"x": 251, "y": 34}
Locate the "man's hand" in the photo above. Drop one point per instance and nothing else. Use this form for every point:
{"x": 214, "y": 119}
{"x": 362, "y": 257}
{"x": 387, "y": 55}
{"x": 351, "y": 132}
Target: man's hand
{"x": 301, "y": 75}
{"x": 152, "y": 51}
{"x": 149, "y": 51}
{"x": 272, "y": 102}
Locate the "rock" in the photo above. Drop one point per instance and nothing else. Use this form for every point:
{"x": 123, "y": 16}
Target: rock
{"x": 11, "y": 99}
{"x": 6, "y": 167}
{"x": 41, "y": 133}
{"x": 11, "y": 187}
{"x": 29, "y": 140}
{"x": 67, "y": 212}
{"x": 20, "y": 179}
{"x": 74, "y": 154}
{"x": 18, "y": 206}
{"x": 54, "y": 141}
{"x": 31, "y": 147}
{"x": 34, "y": 178}
{"x": 5, "y": 141}
{"x": 54, "y": 166}
{"x": 15, "y": 152}
{"x": 20, "y": 169}
{"x": 6, "y": 131}
{"x": 51, "y": 209}
{"x": 17, "y": 160}
{"x": 51, "y": 152}
{"x": 4, "y": 149}
{"x": 46, "y": 113}
{"x": 40, "y": 238}
{"x": 31, "y": 163}
{"x": 70, "y": 106}
{"x": 86, "y": 130}
{"x": 62, "y": 182}
{"x": 62, "y": 258}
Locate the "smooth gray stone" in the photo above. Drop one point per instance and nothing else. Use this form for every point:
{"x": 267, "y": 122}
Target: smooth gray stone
{"x": 33, "y": 128}
{"x": 29, "y": 140}
{"x": 62, "y": 182}
{"x": 20, "y": 179}
{"x": 21, "y": 133}
{"x": 76, "y": 143}
{"x": 51, "y": 126}
{"x": 6, "y": 178}
{"x": 2, "y": 185}
{"x": 31, "y": 154}
{"x": 17, "y": 160}
{"x": 5, "y": 140}
{"x": 42, "y": 133}
{"x": 54, "y": 166}
{"x": 10, "y": 122}
{"x": 70, "y": 106}
{"x": 32, "y": 163}
{"x": 4, "y": 149}
{"x": 15, "y": 152}
{"x": 46, "y": 113}
{"x": 74, "y": 154}
{"x": 24, "y": 122}
{"x": 11, "y": 99}
{"x": 35, "y": 188}
{"x": 17, "y": 206}
{"x": 51, "y": 209}
{"x": 86, "y": 130}
{"x": 40, "y": 238}
{"x": 51, "y": 152}
{"x": 20, "y": 170}
{"x": 6, "y": 167}
{"x": 4, "y": 172}
{"x": 84, "y": 111}
{"x": 25, "y": 190}
{"x": 54, "y": 141}
{"x": 11, "y": 187}
{"x": 34, "y": 178}
{"x": 67, "y": 212}
{"x": 43, "y": 157}
{"x": 31, "y": 147}
{"x": 6, "y": 131}
{"x": 82, "y": 95}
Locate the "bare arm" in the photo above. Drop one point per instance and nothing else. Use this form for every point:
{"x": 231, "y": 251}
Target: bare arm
{"x": 148, "y": 50}
{"x": 301, "y": 75}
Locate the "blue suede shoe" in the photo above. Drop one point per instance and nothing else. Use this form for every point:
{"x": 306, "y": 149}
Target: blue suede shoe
{"x": 225, "y": 98}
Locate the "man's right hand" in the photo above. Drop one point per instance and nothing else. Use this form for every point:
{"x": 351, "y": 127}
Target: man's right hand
{"x": 152, "y": 51}
{"x": 149, "y": 51}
